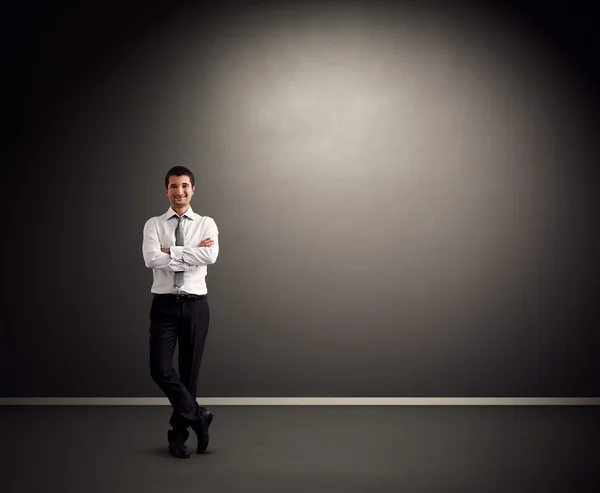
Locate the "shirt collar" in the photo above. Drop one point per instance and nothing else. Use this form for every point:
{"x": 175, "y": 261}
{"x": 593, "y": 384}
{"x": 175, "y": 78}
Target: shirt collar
{"x": 189, "y": 213}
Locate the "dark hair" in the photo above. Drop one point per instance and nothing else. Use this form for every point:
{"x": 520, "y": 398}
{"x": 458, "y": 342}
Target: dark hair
{"x": 179, "y": 171}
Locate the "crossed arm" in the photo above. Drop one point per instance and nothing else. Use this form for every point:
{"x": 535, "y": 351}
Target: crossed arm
{"x": 178, "y": 258}
{"x": 204, "y": 243}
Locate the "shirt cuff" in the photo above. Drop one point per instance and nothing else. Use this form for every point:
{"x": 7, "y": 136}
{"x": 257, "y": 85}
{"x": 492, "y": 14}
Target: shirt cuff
{"x": 177, "y": 252}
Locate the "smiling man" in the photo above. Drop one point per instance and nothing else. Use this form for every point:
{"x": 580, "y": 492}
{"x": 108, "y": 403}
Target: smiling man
{"x": 178, "y": 246}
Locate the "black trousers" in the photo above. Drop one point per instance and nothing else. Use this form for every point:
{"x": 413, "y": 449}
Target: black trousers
{"x": 184, "y": 322}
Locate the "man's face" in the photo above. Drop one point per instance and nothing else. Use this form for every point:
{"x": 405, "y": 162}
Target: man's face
{"x": 180, "y": 191}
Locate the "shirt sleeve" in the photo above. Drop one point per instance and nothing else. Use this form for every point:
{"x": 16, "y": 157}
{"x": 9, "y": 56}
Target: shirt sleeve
{"x": 203, "y": 255}
{"x": 153, "y": 257}
{"x": 177, "y": 252}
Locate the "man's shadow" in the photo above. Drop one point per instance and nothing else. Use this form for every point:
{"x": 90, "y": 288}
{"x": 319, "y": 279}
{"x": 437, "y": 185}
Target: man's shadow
{"x": 164, "y": 452}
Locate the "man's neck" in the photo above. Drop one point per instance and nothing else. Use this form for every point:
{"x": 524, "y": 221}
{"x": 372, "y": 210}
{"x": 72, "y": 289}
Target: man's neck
{"x": 180, "y": 211}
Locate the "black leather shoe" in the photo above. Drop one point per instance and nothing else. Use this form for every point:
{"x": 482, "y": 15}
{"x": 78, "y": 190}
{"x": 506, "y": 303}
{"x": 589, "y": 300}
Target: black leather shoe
{"x": 202, "y": 432}
{"x": 177, "y": 445}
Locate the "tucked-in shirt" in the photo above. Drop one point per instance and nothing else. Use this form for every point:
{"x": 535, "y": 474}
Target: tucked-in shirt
{"x": 192, "y": 259}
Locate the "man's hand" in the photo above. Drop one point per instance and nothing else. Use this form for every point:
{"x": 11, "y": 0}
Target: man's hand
{"x": 166, "y": 250}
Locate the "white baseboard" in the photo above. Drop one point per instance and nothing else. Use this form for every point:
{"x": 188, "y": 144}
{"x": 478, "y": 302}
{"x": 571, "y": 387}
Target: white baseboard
{"x": 306, "y": 401}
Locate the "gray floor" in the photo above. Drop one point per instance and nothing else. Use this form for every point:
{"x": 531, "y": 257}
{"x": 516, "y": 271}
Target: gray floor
{"x": 305, "y": 449}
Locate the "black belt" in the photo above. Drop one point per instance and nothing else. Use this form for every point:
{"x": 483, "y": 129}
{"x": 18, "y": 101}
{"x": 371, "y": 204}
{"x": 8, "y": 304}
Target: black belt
{"x": 180, "y": 298}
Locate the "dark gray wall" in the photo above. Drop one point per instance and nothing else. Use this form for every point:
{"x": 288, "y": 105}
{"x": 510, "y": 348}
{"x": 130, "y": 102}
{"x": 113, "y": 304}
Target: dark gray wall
{"x": 405, "y": 196}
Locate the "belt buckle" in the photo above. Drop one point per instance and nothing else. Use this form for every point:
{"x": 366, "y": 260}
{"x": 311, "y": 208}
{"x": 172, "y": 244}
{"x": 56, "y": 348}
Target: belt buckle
{"x": 179, "y": 298}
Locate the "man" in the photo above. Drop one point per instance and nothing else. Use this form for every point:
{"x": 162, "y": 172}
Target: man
{"x": 178, "y": 246}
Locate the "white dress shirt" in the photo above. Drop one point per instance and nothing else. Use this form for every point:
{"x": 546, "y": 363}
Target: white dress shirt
{"x": 159, "y": 232}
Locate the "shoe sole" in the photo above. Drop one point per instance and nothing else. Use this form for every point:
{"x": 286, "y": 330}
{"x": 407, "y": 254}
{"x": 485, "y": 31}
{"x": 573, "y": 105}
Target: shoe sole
{"x": 187, "y": 456}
